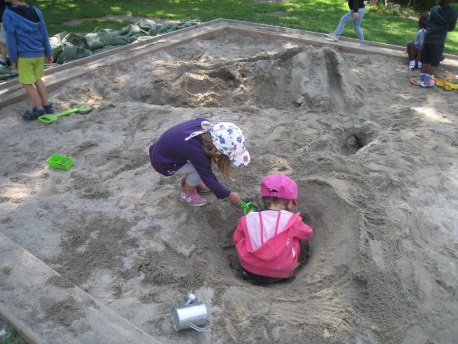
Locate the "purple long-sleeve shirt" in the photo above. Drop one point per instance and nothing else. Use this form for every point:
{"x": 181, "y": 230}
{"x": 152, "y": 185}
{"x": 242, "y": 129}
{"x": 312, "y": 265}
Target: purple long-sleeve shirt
{"x": 170, "y": 152}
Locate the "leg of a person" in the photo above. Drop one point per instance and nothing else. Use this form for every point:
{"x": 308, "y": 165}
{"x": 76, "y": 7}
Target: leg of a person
{"x": 357, "y": 23}
{"x": 189, "y": 191}
{"x": 436, "y": 56}
{"x": 42, "y": 91}
{"x": 343, "y": 21}
{"x": 27, "y": 79}
{"x": 39, "y": 71}
{"x": 411, "y": 48}
{"x": 3, "y": 51}
{"x": 424, "y": 68}
{"x": 425, "y": 58}
{"x": 3, "y": 47}
{"x": 430, "y": 70}
{"x": 33, "y": 95}
{"x": 192, "y": 177}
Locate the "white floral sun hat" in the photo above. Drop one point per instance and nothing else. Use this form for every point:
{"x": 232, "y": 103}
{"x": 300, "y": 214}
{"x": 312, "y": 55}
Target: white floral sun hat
{"x": 228, "y": 139}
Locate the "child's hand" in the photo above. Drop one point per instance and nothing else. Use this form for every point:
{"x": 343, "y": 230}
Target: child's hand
{"x": 234, "y": 197}
{"x": 49, "y": 59}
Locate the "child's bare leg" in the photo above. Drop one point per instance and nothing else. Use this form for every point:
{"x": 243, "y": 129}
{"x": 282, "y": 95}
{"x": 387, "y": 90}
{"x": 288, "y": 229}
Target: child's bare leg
{"x": 431, "y": 70}
{"x": 424, "y": 68}
{"x": 411, "y": 51}
{"x": 33, "y": 95}
{"x": 186, "y": 185}
{"x": 427, "y": 69}
{"x": 41, "y": 88}
{"x": 3, "y": 51}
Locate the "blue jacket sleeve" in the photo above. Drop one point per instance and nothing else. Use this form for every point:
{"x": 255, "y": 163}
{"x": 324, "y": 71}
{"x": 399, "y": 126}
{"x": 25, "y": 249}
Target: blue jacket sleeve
{"x": 44, "y": 34}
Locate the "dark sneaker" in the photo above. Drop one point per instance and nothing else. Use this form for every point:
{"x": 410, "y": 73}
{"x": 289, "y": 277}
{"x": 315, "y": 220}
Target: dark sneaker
{"x": 48, "y": 108}
{"x": 4, "y": 63}
{"x": 33, "y": 114}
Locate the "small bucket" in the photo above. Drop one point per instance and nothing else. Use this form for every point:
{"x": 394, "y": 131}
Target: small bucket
{"x": 191, "y": 315}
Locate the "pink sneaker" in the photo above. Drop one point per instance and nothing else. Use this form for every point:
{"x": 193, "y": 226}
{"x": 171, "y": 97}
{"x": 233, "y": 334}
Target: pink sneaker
{"x": 201, "y": 187}
{"x": 192, "y": 198}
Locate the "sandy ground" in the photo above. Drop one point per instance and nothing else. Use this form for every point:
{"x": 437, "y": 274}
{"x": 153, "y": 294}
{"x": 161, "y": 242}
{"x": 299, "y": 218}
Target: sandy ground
{"x": 375, "y": 160}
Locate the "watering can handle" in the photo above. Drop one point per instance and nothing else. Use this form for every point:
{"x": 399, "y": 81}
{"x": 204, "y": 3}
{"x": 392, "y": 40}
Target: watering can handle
{"x": 200, "y": 329}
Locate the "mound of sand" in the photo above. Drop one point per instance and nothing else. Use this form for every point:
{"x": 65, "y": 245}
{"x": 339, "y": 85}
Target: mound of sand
{"x": 375, "y": 160}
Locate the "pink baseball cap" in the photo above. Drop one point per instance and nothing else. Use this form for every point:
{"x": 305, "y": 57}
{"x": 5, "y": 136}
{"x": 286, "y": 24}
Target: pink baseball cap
{"x": 280, "y": 186}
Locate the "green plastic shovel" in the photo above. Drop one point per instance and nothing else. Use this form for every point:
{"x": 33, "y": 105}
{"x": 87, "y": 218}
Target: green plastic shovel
{"x": 48, "y": 119}
{"x": 248, "y": 207}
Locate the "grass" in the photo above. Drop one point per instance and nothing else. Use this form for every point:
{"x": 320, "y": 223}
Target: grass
{"x": 380, "y": 24}
{"x": 12, "y": 337}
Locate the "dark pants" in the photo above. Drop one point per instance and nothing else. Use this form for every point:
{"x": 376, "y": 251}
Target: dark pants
{"x": 258, "y": 279}
{"x": 432, "y": 54}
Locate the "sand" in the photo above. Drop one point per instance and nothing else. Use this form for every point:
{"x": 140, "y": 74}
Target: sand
{"x": 375, "y": 160}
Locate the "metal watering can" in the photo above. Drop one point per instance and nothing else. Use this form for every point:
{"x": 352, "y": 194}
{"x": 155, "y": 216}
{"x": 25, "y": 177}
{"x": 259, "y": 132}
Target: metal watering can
{"x": 191, "y": 315}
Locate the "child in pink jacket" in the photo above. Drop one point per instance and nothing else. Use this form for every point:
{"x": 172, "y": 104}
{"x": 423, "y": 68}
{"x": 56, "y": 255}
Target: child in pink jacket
{"x": 268, "y": 241}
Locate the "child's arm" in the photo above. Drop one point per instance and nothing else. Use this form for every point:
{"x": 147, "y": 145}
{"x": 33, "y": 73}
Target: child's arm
{"x": 419, "y": 39}
{"x": 239, "y": 234}
{"x": 203, "y": 167}
{"x": 302, "y": 231}
{"x": 234, "y": 197}
{"x": 44, "y": 35}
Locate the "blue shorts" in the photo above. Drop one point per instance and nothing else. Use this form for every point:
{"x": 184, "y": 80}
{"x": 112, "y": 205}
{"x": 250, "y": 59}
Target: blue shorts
{"x": 432, "y": 54}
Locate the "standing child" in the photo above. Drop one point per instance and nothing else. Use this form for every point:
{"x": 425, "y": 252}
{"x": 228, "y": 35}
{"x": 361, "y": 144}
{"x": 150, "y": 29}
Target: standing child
{"x": 28, "y": 45}
{"x": 356, "y": 14}
{"x": 268, "y": 241}
{"x": 191, "y": 148}
{"x": 441, "y": 20}
{"x": 414, "y": 48}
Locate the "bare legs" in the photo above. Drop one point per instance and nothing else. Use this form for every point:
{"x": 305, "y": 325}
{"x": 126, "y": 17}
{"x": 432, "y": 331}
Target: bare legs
{"x": 427, "y": 69}
{"x": 3, "y": 51}
{"x": 37, "y": 93}
{"x": 412, "y": 51}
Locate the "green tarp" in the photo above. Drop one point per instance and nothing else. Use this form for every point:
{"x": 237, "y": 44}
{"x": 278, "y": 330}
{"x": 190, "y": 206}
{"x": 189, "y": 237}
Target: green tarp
{"x": 72, "y": 46}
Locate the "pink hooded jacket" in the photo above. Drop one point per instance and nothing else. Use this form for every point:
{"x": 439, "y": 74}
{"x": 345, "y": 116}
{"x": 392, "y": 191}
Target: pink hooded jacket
{"x": 268, "y": 242}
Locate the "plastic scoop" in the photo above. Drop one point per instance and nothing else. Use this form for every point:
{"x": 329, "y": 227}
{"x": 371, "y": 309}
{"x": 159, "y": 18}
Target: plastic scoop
{"x": 248, "y": 207}
{"x": 48, "y": 119}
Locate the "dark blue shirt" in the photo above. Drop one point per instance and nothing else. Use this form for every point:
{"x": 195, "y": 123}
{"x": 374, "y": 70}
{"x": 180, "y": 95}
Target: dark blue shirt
{"x": 170, "y": 152}
{"x": 441, "y": 20}
{"x": 354, "y": 5}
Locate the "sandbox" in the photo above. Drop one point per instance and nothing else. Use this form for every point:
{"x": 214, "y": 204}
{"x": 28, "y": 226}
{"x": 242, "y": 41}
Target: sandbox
{"x": 101, "y": 252}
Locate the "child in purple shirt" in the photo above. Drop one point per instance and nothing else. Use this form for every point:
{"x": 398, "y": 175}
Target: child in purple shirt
{"x": 191, "y": 148}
